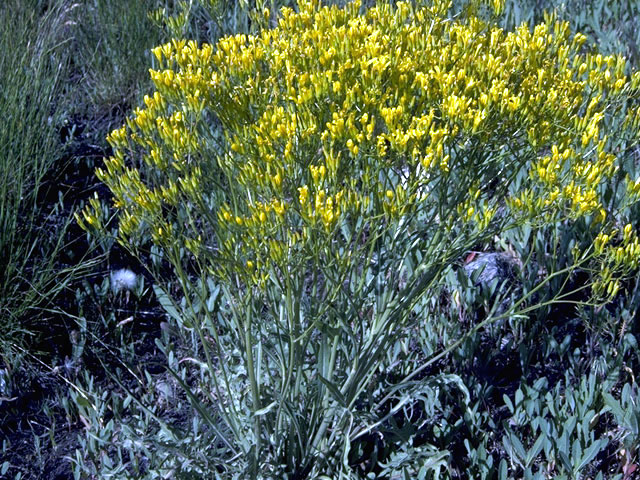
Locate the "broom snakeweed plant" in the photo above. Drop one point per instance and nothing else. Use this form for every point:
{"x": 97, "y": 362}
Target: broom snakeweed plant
{"x": 311, "y": 184}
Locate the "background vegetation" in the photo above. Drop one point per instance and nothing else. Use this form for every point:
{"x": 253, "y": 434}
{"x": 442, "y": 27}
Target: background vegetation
{"x": 86, "y": 388}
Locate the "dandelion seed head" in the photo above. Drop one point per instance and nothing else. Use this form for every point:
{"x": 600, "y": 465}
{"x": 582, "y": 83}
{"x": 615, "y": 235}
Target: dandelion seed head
{"x": 123, "y": 279}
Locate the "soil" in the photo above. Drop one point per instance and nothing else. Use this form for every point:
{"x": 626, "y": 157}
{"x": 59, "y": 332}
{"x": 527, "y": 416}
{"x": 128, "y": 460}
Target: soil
{"x": 40, "y": 439}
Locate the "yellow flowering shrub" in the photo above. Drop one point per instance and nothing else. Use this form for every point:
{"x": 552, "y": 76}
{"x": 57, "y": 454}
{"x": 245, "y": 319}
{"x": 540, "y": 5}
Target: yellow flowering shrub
{"x": 344, "y": 136}
{"x": 335, "y": 114}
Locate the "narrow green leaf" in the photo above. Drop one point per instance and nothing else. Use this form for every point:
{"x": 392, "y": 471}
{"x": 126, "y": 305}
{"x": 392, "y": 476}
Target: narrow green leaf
{"x": 535, "y": 450}
{"x": 570, "y": 425}
{"x": 265, "y": 410}
{"x": 518, "y": 447}
{"x": 166, "y": 303}
{"x": 201, "y": 409}
{"x": 83, "y": 402}
{"x": 508, "y": 403}
{"x": 565, "y": 460}
{"x": 614, "y": 405}
{"x": 213, "y": 297}
{"x": 576, "y": 454}
{"x": 334, "y": 391}
{"x": 502, "y": 470}
{"x": 591, "y": 453}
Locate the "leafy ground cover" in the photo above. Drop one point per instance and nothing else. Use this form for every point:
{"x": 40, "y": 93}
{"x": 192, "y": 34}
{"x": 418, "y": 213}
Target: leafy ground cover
{"x": 455, "y": 334}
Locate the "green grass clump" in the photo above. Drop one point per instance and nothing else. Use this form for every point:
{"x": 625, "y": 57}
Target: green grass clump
{"x": 111, "y": 44}
{"x": 58, "y": 102}
{"x": 32, "y": 71}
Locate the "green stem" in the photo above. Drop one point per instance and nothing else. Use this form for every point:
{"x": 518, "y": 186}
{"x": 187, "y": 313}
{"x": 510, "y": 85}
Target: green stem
{"x": 255, "y": 392}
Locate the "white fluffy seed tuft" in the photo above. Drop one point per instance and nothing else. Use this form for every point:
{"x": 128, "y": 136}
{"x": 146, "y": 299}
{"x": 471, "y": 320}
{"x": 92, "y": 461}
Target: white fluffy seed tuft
{"x": 123, "y": 279}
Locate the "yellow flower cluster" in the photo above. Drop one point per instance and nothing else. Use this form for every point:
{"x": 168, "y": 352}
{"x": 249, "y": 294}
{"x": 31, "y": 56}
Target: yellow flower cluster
{"x": 322, "y": 114}
{"x": 617, "y": 254}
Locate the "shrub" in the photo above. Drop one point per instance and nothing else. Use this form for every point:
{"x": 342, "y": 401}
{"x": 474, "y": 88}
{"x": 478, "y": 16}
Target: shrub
{"x": 311, "y": 186}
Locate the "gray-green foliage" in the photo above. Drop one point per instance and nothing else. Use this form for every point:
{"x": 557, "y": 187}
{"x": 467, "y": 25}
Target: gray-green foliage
{"x": 626, "y": 412}
{"x": 559, "y": 425}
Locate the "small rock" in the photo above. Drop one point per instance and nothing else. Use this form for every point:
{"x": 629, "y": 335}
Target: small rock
{"x": 495, "y": 267}
{"x": 4, "y": 387}
{"x": 493, "y": 270}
